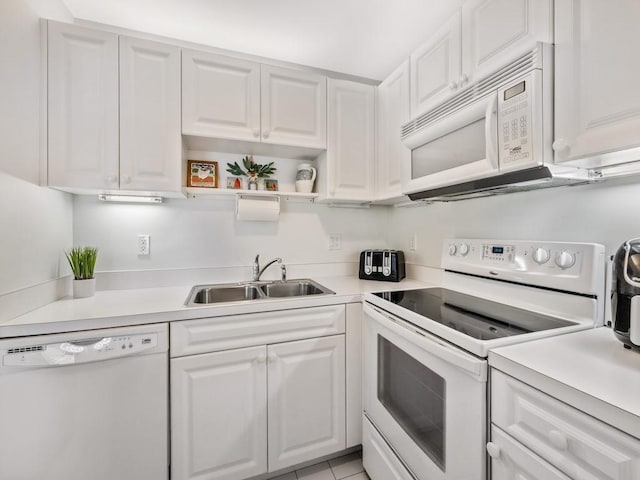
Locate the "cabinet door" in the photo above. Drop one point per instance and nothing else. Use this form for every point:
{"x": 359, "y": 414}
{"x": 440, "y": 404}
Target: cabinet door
{"x": 82, "y": 107}
{"x": 495, "y": 32}
{"x": 597, "y": 100}
{"x": 351, "y": 141}
{"x": 220, "y": 96}
{"x": 511, "y": 461}
{"x": 218, "y": 415}
{"x": 435, "y": 68}
{"x": 150, "y": 139}
{"x": 294, "y": 108}
{"x": 306, "y": 400}
{"x": 393, "y": 111}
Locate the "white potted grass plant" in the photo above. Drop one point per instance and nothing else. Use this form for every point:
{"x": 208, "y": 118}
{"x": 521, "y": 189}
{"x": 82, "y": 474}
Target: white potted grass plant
{"x": 82, "y": 261}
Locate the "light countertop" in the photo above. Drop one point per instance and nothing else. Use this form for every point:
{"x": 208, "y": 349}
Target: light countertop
{"x": 115, "y": 308}
{"x": 589, "y": 370}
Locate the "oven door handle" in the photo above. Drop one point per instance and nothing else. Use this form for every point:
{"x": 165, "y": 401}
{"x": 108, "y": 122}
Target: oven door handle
{"x": 476, "y": 367}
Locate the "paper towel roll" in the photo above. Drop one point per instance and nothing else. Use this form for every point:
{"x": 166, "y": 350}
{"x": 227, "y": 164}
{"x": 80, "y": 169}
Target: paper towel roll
{"x": 257, "y": 209}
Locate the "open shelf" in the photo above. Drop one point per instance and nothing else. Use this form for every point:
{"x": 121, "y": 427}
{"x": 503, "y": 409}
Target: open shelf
{"x": 222, "y": 192}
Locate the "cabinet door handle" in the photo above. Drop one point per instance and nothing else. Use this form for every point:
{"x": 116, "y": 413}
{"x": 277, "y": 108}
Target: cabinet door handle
{"x": 464, "y": 78}
{"x": 126, "y": 179}
{"x": 453, "y": 85}
{"x": 265, "y": 134}
{"x": 558, "y": 440}
{"x": 273, "y": 358}
{"x": 493, "y": 450}
{"x": 262, "y": 358}
{"x": 111, "y": 179}
{"x": 256, "y": 133}
{"x": 562, "y": 147}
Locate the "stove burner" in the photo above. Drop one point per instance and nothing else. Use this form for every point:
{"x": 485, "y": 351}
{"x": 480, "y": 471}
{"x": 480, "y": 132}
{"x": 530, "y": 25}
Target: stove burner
{"x": 476, "y": 317}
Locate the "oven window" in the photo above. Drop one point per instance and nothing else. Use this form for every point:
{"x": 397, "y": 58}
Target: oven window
{"x": 414, "y": 395}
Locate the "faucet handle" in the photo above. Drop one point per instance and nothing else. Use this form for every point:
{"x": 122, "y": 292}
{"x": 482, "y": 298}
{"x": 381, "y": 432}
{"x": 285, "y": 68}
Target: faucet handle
{"x": 283, "y": 270}
{"x": 256, "y": 260}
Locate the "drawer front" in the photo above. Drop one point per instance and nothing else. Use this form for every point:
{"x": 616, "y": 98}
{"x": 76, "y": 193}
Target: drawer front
{"x": 511, "y": 461}
{"x": 236, "y": 331}
{"x": 576, "y": 443}
{"x": 377, "y": 457}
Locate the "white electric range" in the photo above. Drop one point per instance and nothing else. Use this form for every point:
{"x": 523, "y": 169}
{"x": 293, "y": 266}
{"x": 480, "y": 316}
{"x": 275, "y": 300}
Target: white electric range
{"x": 425, "y": 392}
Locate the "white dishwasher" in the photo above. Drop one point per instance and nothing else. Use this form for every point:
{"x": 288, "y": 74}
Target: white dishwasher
{"x": 86, "y": 405}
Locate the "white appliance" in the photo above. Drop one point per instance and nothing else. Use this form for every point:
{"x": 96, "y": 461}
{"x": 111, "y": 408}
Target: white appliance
{"x": 86, "y": 405}
{"x": 425, "y": 367}
{"x": 493, "y": 137}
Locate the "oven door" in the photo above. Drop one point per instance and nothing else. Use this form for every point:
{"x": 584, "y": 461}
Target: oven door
{"x": 426, "y": 397}
{"x": 459, "y": 147}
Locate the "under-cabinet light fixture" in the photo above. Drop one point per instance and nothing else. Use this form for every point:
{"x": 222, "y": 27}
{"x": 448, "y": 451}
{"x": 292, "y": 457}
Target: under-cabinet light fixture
{"x": 129, "y": 199}
{"x": 612, "y": 171}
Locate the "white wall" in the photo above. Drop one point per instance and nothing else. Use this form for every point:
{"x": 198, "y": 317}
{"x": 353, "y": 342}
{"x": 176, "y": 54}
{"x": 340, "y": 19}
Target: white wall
{"x": 35, "y": 222}
{"x": 203, "y": 233}
{"x": 605, "y": 213}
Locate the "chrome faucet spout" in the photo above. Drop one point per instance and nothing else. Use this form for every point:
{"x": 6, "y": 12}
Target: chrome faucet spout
{"x": 257, "y": 271}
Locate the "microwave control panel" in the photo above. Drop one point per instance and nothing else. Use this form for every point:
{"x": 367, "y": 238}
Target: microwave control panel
{"x": 515, "y": 123}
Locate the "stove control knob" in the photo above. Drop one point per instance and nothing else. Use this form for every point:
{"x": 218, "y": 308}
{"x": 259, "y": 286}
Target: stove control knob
{"x": 463, "y": 249}
{"x": 540, "y": 255}
{"x": 452, "y": 249}
{"x": 565, "y": 259}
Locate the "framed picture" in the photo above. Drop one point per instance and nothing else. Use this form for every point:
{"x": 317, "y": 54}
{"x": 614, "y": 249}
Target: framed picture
{"x": 202, "y": 174}
{"x": 271, "y": 185}
{"x": 235, "y": 183}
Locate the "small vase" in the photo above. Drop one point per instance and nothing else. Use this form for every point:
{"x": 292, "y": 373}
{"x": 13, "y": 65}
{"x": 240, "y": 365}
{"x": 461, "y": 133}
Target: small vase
{"x": 252, "y": 183}
{"x": 84, "y": 288}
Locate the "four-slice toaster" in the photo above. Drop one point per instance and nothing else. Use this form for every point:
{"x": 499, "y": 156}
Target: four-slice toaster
{"x": 386, "y": 265}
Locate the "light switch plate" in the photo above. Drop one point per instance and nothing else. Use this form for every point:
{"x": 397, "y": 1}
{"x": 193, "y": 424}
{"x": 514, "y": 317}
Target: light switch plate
{"x": 335, "y": 241}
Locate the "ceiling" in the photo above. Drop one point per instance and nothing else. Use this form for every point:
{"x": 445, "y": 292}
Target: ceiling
{"x": 366, "y": 38}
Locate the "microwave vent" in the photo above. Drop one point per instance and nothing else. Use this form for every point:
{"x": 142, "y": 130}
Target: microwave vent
{"x": 522, "y": 65}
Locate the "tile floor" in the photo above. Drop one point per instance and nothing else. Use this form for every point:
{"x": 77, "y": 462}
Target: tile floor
{"x": 348, "y": 467}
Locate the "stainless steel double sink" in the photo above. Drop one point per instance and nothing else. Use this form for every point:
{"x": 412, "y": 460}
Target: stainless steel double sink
{"x": 239, "y": 292}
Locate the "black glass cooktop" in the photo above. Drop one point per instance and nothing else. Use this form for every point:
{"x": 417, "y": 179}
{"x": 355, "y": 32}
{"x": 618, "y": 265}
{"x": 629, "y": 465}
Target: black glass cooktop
{"x": 473, "y": 316}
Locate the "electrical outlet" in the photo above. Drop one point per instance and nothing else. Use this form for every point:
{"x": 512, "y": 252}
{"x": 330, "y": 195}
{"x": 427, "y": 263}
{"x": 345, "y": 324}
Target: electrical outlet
{"x": 143, "y": 245}
{"x": 413, "y": 243}
{"x": 335, "y": 241}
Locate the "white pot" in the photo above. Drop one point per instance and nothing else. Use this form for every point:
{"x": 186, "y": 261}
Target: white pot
{"x": 305, "y": 176}
{"x": 84, "y": 288}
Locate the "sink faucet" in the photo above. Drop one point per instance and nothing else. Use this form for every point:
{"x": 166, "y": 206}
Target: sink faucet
{"x": 257, "y": 271}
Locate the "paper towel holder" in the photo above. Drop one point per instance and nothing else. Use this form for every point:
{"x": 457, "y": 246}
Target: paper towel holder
{"x": 262, "y": 208}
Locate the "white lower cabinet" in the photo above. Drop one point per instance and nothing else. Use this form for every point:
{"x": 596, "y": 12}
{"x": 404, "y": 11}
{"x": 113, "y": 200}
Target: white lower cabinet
{"x": 511, "y": 461}
{"x": 219, "y": 415}
{"x": 306, "y": 400}
{"x": 243, "y": 412}
{"x": 552, "y": 432}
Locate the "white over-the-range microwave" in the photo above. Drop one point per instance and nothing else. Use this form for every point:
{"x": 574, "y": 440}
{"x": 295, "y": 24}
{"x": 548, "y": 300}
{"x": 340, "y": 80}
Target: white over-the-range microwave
{"x": 493, "y": 137}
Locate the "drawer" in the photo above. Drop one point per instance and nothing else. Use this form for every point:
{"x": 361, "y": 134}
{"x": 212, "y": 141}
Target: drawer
{"x": 214, "y": 334}
{"x": 377, "y": 457}
{"x": 577, "y": 444}
{"x": 511, "y": 461}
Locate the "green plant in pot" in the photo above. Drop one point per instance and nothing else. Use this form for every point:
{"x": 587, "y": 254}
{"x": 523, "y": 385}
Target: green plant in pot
{"x": 252, "y": 170}
{"x": 82, "y": 261}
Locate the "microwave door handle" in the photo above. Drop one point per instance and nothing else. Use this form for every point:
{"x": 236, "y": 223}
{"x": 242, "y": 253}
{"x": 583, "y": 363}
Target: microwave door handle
{"x": 491, "y": 131}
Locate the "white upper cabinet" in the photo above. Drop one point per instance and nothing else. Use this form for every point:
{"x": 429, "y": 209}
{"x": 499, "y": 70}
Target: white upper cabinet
{"x": 350, "y": 161}
{"x": 435, "y": 67}
{"x": 484, "y": 36}
{"x": 392, "y": 155}
{"x": 495, "y": 31}
{"x": 234, "y": 99}
{"x": 294, "y": 108}
{"x": 82, "y": 107}
{"x": 150, "y": 138}
{"x": 220, "y": 96}
{"x": 597, "y": 99}
{"x": 113, "y": 108}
